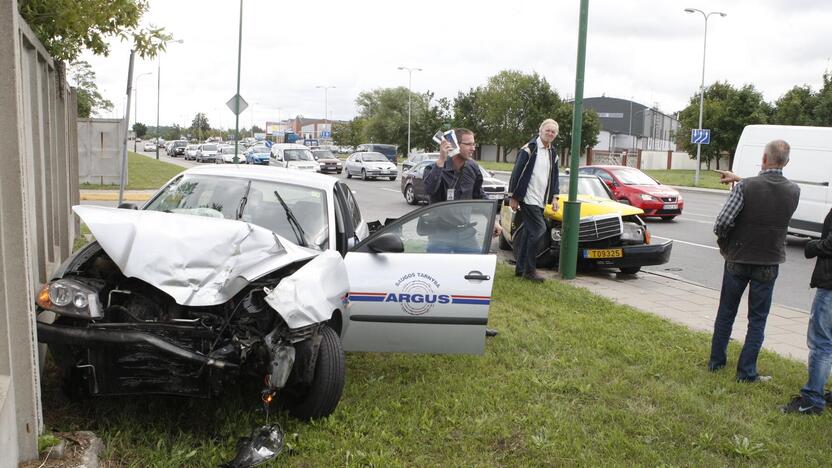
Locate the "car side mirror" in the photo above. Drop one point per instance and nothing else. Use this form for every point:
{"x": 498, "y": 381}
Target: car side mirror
{"x": 386, "y": 242}
{"x": 128, "y": 206}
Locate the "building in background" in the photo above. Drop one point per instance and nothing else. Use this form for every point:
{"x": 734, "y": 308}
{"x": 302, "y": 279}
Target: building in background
{"x": 630, "y": 126}
{"x": 304, "y": 129}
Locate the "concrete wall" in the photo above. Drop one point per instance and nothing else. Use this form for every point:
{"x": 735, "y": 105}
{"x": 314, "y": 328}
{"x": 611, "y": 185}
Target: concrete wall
{"x": 38, "y": 184}
{"x": 679, "y": 160}
{"x": 99, "y": 156}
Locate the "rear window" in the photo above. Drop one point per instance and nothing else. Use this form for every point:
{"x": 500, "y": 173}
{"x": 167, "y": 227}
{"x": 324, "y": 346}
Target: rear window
{"x": 209, "y": 147}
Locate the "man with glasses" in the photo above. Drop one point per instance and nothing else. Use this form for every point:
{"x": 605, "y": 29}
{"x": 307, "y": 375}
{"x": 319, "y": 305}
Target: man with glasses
{"x": 456, "y": 178}
{"x": 533, "y": 184}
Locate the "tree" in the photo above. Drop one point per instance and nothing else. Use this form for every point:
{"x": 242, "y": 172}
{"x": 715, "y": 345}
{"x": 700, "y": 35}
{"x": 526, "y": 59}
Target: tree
{"x": 172, "y": 133}
{"x": 200, "y": 126}
{"x": 140, "y": 129}
{"x": 727, "y": 111}
{"x": 384, "y": 111}
{"x": 256, "y": 129}
{"x": 514, "y": 104}
{"x": 66, "y": 28}
{"x": 823, "y": 103}
{"x": 348, "y": 133}
{"x": 89, "y": 101}
{"x": 796, "y": 107}
{"x": 590, "y": 128}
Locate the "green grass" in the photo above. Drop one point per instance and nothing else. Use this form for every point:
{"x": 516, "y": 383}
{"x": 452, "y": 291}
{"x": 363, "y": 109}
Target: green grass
{"x": 572, "y": 379}
{"x": 684, "y": 177}
{"x": 143, "y": 173}
{"x": 496, "y": 166}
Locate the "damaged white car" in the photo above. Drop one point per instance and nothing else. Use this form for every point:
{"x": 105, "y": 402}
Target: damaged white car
{"x": 234, "y": 271}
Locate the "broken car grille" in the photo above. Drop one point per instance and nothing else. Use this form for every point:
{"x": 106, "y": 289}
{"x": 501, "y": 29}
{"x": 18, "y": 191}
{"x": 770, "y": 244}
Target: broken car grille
{"x": 599, "y": 227}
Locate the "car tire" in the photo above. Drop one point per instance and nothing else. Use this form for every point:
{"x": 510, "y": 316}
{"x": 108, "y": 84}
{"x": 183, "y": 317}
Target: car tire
{"x": 349, "y": 175}
{"x": 630, "y": 270}
{"x": 393, "y": 178}
{"x": 410, "y": 195}
{"x": 320, "y": 398}
{"x": 504, "y": 245}
{"x": 668, "y": 218}
{"x": 363, "y": 174}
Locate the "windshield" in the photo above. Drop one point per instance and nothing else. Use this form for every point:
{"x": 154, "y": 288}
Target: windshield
{"x": 250, "y": 201}
{"x": 586, "y": 186}
{"x": 192, "y": 147}
{"x": 634, "y": 177}
{"x": 180, "y": 144}
{"x": 374, "y": 157}
{"x": 259, "y": 149}
{"x": 209, "y": 147}
{"x": 228, "y": 150}
{"x": 298, "y": 155}
{"x": 324, "y": 154}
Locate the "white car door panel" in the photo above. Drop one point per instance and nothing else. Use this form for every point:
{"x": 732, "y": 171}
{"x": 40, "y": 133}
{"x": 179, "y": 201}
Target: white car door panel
{"x": 432, "y": 296}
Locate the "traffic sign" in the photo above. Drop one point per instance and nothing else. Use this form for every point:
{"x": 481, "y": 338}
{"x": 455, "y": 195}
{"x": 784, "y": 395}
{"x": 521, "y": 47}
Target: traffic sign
{"x": 237, "y": 104}
{"x": 326, "y": 134}
{"x": 700, "y": 136}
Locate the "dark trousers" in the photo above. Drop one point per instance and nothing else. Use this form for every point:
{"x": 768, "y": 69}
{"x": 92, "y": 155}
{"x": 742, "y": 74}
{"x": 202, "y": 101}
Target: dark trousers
{"x": 525, "y": 245}
{"x": 735, "y": 278}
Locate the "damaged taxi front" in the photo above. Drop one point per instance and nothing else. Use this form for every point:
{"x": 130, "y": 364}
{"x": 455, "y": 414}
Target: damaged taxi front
{"x": 230, "y": 273}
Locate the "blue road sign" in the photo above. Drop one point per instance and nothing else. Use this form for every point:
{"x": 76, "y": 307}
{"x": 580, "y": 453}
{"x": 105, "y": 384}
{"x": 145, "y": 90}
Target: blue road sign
{"x": 701, "y": 136}
{"x": 326, "y": 134}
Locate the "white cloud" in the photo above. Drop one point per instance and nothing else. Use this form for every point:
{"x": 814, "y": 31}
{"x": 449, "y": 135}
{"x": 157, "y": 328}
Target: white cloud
{"x": 650, "y": 50}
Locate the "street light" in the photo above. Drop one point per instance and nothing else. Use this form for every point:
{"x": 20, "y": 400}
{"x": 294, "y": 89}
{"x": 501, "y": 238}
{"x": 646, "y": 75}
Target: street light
{"x": 325, "y": 88}
{"x": 136, "y": 108}
{"x": 158, "y": 86}
{"x": 409, "y": 82}
{"x": 702, "y": 83}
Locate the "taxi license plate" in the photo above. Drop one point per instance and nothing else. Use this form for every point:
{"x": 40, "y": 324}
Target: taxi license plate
{"x": 603, "y": 253}
{"x": 671, "y": 206}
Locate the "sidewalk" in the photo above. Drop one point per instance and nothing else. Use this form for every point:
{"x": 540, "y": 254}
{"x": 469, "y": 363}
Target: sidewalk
{"x": 112, "y": 195}
{"x": 695, "y": 306}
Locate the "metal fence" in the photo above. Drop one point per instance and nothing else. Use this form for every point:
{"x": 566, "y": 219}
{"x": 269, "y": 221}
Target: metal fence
{"x": 38, "y": 185}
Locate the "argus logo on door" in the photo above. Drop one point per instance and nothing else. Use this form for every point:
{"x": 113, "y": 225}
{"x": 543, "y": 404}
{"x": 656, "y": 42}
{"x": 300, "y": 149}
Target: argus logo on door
{"x": 418, "y": 293}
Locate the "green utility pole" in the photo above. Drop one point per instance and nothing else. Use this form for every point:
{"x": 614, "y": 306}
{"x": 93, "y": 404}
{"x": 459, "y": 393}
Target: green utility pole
{"x": 572, "y": 208}
{"x": 237, "y": 111}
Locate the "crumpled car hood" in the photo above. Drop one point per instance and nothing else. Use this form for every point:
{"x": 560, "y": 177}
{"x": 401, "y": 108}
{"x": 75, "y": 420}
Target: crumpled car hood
{"x": 198, "y": 261}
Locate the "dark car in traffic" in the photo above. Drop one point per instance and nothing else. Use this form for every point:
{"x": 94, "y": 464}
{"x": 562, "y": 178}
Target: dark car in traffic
{"x": 327, "y": 161}
{"x": 413, "y": 187}
{"x": 416, "y": 158}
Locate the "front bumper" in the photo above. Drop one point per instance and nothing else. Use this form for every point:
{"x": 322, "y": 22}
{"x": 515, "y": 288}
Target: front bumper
{"x": 390, "y": 173}
{"x": 634, "y": 255}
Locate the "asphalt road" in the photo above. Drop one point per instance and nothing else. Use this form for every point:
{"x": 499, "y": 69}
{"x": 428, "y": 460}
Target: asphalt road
{"x": 695, "y": 255}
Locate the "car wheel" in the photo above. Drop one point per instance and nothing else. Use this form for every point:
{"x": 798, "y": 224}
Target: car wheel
{"x": 409, "y": 195}
{"x": 393, "y": 178}
{"x": 630, "y": 270}
{"x": 504, "y": 245}
{"x": 349, "y": 175}
{"x": 668, "y": 218}
{"x": 363, "y": 174}
{"x": 319, "y": 398}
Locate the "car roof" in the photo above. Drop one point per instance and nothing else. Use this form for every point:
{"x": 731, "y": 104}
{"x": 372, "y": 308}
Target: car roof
{"x": 274, "y": 174}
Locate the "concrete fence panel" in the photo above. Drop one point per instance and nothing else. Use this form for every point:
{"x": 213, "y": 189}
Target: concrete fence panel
{"x": 38, "y": 184}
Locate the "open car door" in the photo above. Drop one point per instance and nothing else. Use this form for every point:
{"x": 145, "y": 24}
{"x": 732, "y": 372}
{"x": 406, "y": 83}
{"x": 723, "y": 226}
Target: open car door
{"x": 422, "y": 284}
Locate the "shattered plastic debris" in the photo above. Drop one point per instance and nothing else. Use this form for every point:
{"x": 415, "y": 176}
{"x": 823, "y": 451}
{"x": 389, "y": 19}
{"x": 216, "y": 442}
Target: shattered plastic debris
{"x": 264, "y": 444}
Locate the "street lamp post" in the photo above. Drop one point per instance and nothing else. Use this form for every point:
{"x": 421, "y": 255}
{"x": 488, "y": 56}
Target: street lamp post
{"x": 136, "y": 107}
{"x": 158, "y": 87}
{"x": 702, "y": 83}
{"x": 409, "y": 93}
{"x": 326, "y": 104}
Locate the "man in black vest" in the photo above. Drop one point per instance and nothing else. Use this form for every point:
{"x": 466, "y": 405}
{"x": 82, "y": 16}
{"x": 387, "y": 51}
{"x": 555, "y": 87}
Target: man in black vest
{"x": 751, "y": 234}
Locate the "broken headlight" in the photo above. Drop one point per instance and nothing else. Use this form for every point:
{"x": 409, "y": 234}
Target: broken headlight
{"x": 632, "y": 233}
{"x": 70, "y": 297}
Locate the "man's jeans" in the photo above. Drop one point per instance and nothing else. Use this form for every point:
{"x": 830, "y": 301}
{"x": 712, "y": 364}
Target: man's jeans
{"x": 525, "y": 246}
{"x": 819, "y": 340}
{"x": 734, "y": 280}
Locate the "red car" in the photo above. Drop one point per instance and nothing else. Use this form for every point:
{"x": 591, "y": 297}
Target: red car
{"x": 630, "y": 185}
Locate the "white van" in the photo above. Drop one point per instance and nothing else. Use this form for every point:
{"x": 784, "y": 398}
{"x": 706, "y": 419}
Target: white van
{"x": 293, "y": 156}
{"x": 810, "y": 167}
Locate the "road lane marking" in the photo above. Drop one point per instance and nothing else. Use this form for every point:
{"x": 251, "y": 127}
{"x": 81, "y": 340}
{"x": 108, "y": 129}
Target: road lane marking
{"x": 688, "y": 243}
{"x": 389, "y": 189}
{"x": 699, "y": 214}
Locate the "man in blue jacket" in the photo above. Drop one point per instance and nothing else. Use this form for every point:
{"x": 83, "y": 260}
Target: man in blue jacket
{"x": 534, "y": 183}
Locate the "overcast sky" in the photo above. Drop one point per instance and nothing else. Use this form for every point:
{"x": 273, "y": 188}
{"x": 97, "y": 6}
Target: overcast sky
{"x": 646, "y": 50}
